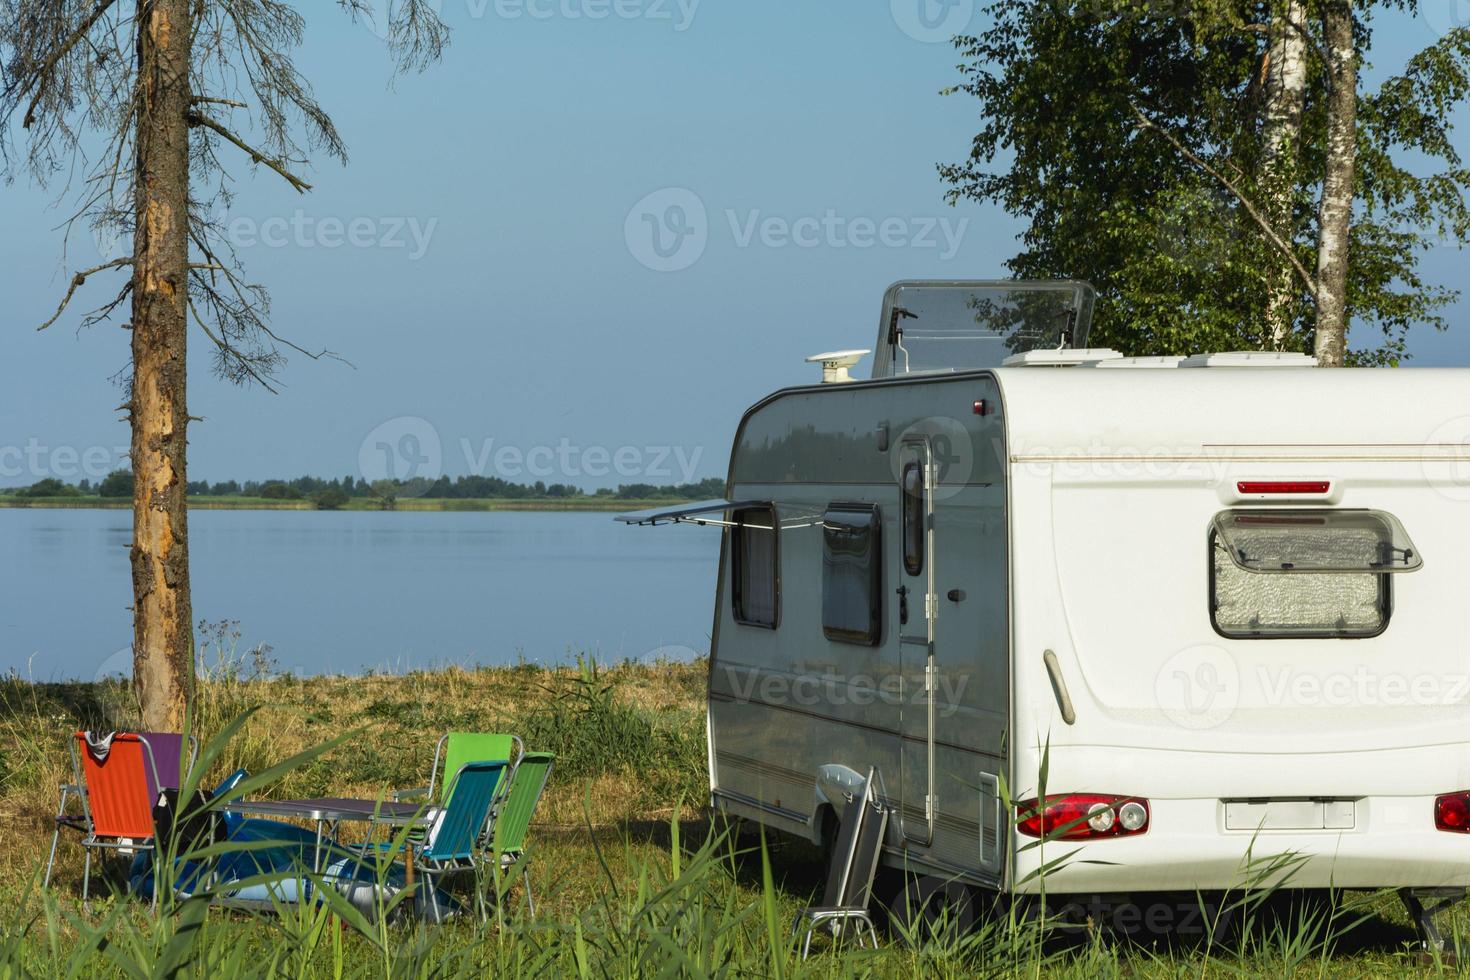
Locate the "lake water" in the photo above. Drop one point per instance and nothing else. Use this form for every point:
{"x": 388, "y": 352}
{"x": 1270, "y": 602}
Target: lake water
{"x": 339, "y": 592}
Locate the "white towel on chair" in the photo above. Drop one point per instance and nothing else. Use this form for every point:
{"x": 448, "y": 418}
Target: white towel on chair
{"x": 99, "y": 744}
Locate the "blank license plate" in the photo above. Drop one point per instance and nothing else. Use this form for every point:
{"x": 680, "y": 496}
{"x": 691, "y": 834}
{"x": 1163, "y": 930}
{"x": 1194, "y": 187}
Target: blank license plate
{"x": 1290, "y": 815}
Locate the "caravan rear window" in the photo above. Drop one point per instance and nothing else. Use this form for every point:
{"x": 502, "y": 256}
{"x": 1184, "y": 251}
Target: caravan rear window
{"x": 852, "y": 574}
{"x": 1305, "y": 573}
{"x": 755, "y": 566}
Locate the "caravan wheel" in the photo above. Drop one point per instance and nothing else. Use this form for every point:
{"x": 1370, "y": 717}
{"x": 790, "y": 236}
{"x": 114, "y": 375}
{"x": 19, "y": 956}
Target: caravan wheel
{"x": 924, "y": 909}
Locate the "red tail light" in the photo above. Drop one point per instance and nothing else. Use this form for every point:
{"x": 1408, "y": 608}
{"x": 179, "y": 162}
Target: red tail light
{"x": 1087, "y": 816}
{"x": 1289, "y": 487}
{"x": 1452, "y": 813}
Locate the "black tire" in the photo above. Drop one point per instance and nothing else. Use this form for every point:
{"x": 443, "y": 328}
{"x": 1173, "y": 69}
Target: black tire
{"x": 924, "y": 909}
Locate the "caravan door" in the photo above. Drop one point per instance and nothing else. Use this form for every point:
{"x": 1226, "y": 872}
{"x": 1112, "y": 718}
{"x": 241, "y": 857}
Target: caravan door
{"x": 917, "y": 608}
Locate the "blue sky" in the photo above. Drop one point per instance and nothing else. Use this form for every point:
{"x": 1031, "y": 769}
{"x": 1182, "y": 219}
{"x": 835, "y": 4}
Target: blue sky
{"x": 488, "y": 261}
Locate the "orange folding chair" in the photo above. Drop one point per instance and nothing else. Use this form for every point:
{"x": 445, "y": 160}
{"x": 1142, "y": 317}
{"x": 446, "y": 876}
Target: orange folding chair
{"x": 116, "y": 788}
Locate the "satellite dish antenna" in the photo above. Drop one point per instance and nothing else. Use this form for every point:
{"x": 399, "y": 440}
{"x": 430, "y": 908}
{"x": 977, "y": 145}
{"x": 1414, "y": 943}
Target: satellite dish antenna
{"x": 836, "y": 364}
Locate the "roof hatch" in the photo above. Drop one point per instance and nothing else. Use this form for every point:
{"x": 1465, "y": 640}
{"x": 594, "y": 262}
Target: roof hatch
{"x": 962, "y": 325}
{"x": 1067, "y": 357}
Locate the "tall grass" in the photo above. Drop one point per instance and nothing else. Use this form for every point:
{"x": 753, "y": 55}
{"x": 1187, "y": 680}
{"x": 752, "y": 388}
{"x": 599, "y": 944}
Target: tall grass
{"x": 633, "y": 877}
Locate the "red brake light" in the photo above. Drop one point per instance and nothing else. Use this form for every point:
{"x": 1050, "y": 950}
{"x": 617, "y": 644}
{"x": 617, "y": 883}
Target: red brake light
{"x": 1086, "y": 816}
{"x": 1297, "y": 488}
{"x": 1452, "y": 813}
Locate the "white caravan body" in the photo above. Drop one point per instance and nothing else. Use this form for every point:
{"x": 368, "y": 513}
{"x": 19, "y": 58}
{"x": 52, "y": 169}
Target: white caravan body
{"x": 1236, "y": 595}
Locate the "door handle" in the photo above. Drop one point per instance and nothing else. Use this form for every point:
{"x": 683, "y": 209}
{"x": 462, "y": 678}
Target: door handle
{"x": 903, "y": 605}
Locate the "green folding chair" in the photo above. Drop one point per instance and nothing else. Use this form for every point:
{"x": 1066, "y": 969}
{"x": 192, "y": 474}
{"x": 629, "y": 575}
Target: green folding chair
{"x": 507, "y": 840}
{"x": 457, "y": 750}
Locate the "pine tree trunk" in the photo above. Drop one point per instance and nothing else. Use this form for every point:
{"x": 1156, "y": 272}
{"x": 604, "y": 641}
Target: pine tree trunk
{"x": 1336, "y": 215}
{"x": 1286, "y": 89}
{"x": 162, "y": 614}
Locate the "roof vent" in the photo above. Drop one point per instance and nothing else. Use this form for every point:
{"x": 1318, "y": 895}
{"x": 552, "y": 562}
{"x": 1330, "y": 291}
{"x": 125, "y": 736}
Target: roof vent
{"x": 836, "y": 365}
{"x": 1066, "y": 357}
{"x": 1250, "y": 359}
{"x": 1156, "y": 361}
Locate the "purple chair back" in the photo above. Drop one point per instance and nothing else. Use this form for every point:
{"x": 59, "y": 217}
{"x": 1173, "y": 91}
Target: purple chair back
{"x": 168, "y": 754}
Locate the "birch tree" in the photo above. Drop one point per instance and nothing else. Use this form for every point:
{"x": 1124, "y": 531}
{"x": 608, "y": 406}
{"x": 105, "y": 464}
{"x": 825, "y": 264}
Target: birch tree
{"x": 1219, "y": 170}
{"x": 1285, "y": 101}
{"x": 1334, "y": 225}
{"x": 138, "y": 110}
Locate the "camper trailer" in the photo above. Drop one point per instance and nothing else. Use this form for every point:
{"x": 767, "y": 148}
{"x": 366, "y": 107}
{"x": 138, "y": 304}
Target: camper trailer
{"x": 1219, "y": 601}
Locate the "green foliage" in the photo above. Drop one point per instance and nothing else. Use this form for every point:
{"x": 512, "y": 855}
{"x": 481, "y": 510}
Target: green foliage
{"x": 594, "y": 730}
{"x": 333, "y": 498}
{"x": 386, "y": 493}
{"x": 1179, "y": 263}
{"x": 49, "y": 487}
{"x": 118, "y": 483}
{"x": 276, "y": 490}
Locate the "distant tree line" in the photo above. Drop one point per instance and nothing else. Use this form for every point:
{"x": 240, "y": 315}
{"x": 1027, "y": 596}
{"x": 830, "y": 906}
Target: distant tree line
{"x": 332, "y": 494}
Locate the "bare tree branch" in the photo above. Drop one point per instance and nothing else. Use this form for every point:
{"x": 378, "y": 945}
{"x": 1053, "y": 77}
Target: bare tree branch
{"x": 256, "y": 156}
{"x": 225, "y": 350}
{"x": 77, "y": 281}
{"x": 71, "y": 75}
{"x": 42, "y": 74}
{"x": 1308, "y": 280}
{"x": 210, "y": 100}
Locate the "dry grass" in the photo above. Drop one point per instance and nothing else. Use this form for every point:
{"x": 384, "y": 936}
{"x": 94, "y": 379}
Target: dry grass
{"x": 629, "y": 740}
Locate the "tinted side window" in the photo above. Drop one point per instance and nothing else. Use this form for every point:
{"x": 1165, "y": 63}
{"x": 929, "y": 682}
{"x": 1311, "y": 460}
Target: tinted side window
{"x": 755, "y": 568}
{"x": 913, "y": 518}
{"x": 852, "y": 571}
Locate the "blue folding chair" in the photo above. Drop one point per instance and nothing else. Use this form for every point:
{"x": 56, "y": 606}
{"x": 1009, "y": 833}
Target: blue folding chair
{"x": 451, "y": 840}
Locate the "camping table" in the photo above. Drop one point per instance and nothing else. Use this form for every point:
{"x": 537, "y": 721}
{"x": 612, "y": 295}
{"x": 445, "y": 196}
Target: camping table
{"x": 332, "y": 811}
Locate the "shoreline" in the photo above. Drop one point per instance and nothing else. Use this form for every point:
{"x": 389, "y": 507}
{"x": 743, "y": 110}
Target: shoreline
{"x": 418, "y": 505}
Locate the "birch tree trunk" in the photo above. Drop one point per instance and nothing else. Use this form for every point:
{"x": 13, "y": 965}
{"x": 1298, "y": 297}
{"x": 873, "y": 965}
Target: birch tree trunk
{"x": 1336, "y": 213}
{"x": 162, "y": 613}
{"x": 1286, "y": 87}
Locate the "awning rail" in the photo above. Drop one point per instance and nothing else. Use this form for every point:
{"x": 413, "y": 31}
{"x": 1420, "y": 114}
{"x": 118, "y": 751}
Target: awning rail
{"x": 702, "y": 512}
